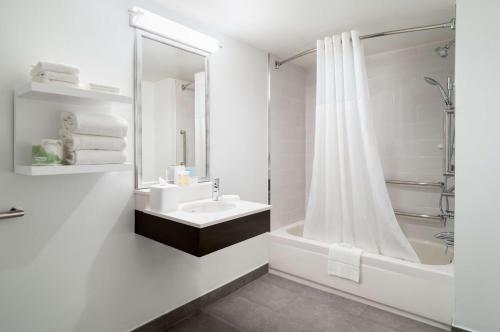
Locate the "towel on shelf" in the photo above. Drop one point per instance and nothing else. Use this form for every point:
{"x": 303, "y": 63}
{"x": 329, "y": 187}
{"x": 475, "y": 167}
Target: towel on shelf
{"x": 44, "y": 66}
{"x": 48, "y": 76}
{"x": 74, "y": 142}
{"x": 344, "y": 261}
{"x": 94, "y": 157}
{"x": 94, "y": 124}
{"x": 46, "y": 81}
{"x": 104, "y": 88}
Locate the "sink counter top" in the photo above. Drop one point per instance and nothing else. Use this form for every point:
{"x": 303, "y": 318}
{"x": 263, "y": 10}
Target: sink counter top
{"x": 199, "y": 226}
{"x": 204, "y": 219}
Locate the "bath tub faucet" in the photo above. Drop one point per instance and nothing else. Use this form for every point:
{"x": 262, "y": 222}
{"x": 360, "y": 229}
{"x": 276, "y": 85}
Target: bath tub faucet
{"x": 215, "y": 189}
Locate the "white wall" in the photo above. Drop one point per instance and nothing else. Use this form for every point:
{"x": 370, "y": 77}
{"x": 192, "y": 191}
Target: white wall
{"x": 165, "y": 133}
{"x": 287, "y": 145}
{"x": 238, "y": 98}
{"x": 477, "y": 263}
{"x": 73, "y": 262}
{"x": 159, "y": 134}
{"x": 408, "y": 123}
{"x": 184, "y": 104}
{"x": 148, "y": 132}
{"x": 166, "y": 109}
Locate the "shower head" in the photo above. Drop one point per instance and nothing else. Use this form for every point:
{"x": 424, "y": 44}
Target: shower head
{"x": 443, "y": 51}
{"x": 431, "y": 81}
{"x": 445, "y": 95}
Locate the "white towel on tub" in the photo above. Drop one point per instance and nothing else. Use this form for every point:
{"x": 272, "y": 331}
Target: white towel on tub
{"x": 94, "y": 124}
{"x": 344, "y": 261}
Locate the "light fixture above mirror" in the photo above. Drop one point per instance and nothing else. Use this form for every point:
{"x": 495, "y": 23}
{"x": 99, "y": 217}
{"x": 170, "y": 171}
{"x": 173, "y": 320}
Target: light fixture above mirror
{"x": 150, "y": 22}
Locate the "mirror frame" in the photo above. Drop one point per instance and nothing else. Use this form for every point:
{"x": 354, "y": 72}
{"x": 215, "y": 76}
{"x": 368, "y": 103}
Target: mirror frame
{"x": 139, "y": 184}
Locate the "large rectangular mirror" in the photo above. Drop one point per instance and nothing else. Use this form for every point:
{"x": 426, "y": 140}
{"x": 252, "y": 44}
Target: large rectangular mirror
{"x": 171, "y": 108}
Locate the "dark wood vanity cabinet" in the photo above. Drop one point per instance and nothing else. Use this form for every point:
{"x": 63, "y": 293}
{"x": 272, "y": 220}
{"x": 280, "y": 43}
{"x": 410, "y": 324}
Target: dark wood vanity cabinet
{"x": 201, "y": 241}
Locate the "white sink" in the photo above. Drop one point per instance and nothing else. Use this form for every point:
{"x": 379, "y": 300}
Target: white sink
{"x": 208, "y": 207}
{"x": 205, "y": 212}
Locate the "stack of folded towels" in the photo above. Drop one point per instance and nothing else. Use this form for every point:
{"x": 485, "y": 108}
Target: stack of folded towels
{"x": 90, "y": 138}
{"x": 54, "y": 72}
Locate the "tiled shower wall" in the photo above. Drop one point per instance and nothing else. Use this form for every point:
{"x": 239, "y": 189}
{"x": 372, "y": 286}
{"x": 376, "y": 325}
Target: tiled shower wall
{"x": 408, "y": 122}
{"x": 287, "y": 144}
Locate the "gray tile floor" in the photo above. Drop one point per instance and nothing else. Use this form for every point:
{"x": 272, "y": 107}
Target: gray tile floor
{"x": 272, "y": 303}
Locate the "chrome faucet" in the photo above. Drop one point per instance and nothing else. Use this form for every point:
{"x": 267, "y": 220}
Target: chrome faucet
{"x": 215, "y": 189}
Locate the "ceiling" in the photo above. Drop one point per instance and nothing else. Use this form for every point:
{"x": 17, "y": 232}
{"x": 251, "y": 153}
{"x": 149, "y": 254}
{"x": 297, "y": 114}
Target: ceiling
{"x": 286, "y": 27}
{"x": 160, "y": 61}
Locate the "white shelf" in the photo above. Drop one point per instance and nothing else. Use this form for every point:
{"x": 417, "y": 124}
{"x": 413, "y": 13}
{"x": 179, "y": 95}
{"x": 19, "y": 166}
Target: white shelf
{"x": 68, "y": 94}
{"x": 34, "y": 119}
{"x": 71, "y": 169}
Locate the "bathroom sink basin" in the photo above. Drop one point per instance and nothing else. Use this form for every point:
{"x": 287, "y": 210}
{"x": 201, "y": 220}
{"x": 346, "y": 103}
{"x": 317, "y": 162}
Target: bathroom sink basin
{"x": 208, "y": 207}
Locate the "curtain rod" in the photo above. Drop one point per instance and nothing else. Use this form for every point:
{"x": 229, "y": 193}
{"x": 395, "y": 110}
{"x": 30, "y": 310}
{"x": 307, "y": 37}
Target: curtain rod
{"x": 451, "y": 24}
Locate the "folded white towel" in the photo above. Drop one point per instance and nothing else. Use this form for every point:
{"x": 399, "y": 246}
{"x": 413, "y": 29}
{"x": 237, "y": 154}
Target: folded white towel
{"x": 74, "y": 142}
{"x": 55, "y": 76}
{"x": 94, "y": 124}
{"x": 94, "y": 157}
{"x": 47, "y": 81}
{"x": 104, "y": 88}
{"x": 42, "y": 66}
{"x": 344, "y": 261}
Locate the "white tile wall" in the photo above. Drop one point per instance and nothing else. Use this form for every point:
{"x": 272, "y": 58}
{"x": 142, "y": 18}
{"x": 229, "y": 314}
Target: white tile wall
{"x": 310, "y": 118}
{"x": 408, "y": 120}
{"x": 287, "y": 145}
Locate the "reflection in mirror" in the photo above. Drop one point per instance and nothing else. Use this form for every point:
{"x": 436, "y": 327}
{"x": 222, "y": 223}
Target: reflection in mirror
{"x": 173, "y": 110}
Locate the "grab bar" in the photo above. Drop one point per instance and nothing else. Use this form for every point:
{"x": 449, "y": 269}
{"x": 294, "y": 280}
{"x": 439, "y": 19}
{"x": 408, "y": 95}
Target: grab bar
{"x": 447, "y": 118}
{"x": 446, "y": 160}
{"x": 418, "y": 215}
{"x": 415, "y": 183}
{"x": 12, "y": 213}
{"x": 184, "y": 161}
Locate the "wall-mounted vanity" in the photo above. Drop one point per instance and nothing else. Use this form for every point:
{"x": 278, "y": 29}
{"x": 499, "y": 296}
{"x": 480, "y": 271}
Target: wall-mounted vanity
{"x": 172, "y": 128}
{"x": 202, "y": 226}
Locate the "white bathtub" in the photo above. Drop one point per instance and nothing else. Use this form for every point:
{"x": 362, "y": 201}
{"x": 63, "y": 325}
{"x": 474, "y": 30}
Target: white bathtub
{"x": 421, "y": 291}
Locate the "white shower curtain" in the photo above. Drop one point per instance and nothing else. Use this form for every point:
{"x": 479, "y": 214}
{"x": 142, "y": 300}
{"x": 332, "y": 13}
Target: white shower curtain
{"x": 200, "y": 151}
{"x": 348, "y": 200}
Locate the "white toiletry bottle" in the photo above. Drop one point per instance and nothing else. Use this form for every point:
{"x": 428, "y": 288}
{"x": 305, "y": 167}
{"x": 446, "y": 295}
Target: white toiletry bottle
{"x": 178, "y": 177}
{"x": 184, "y": 178}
